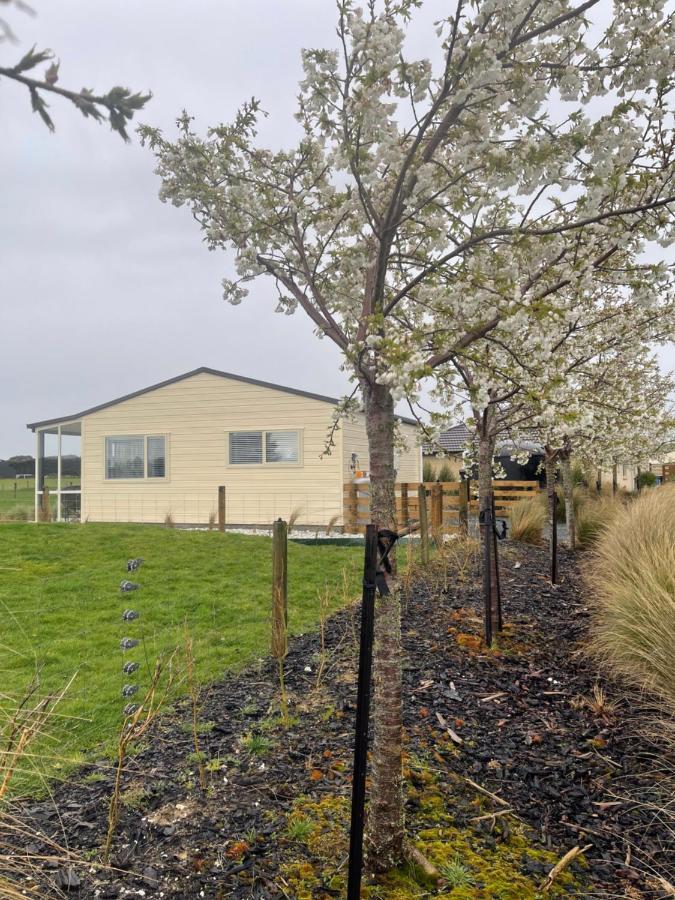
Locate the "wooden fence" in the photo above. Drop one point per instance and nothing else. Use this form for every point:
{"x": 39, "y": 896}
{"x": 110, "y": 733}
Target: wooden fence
{"x": 449, "y": 503}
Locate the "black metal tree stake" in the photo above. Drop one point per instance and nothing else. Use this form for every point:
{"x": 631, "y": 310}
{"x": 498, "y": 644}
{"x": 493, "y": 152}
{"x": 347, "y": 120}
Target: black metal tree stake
{"x": 554, "y": 538}
{"x": 375, "y": 569}
{"x": 495, "y": 569}
{"x": 487, "y": 526}
{"x": 362, "y": 715}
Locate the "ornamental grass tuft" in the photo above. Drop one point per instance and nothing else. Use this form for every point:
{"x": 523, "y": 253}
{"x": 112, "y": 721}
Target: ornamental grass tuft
{"x": 631, "y": 576}
{"x": 528, "y": 518}
{"x": 594, "y": 515}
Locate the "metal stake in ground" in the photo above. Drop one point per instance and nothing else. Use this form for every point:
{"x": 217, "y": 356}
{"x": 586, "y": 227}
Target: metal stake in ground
{"x": 374, "y": 578}
{"x": 362, "y": 715}
{"x": 496, "y": 581}
{"x": 487, "y": 528}
{"x": 554, "y": 538}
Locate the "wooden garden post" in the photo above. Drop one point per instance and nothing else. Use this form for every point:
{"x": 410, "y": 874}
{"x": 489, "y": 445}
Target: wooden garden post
{"x": 221, "y": 508}
{"x": 464, "y": 505}
{"x": 405, "y": 512}
{"x": 280, "y": 565}
{"x": 437, "y": 508}
{"x": 46, "y": 512}
{"x": 424, "y": 523}
{"x": 353, "y": 508}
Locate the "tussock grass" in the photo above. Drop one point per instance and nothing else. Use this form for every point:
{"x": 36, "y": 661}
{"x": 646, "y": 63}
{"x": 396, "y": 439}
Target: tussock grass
{"x": 631, "y": 576}
{"x": 594, "y": 516}
{"x": 23, "y": 721}
{"x": 445, "y": 473}
{"x": 455, "y": 559}
{"x": 16, "y": 514}
{"x": 528, "y": 518}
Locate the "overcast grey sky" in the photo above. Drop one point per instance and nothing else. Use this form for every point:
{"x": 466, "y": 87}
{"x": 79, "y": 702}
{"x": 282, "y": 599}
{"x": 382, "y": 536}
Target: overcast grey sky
{"x": 103, "y": 289}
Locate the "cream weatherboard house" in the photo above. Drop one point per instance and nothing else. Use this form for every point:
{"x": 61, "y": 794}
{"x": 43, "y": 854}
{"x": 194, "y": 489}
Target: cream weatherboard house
{"x": 165, "y": 451}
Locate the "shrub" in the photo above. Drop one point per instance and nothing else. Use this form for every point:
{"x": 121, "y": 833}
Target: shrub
{"x": 428, "y": 471}
{"x": 528, "y": 518}
{"x": 631, "y": 575}
{"x": 646, "y": 479}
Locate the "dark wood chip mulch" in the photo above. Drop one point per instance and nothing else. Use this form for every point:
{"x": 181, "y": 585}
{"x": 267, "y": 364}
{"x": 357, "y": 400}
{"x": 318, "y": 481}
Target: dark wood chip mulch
{"x": 575, "y": 768}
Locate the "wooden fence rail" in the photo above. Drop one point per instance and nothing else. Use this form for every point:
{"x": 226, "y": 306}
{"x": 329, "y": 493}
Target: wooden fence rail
{"x": 449, "y": 503}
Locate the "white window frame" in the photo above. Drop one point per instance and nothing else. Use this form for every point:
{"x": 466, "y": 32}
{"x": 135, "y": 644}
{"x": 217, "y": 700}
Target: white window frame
{"x": 134, "y": 437}
{"x": 264, "y": 464}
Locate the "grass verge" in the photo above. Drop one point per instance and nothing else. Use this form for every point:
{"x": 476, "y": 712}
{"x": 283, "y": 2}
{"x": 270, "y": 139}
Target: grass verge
{"x": 60, "y": 614}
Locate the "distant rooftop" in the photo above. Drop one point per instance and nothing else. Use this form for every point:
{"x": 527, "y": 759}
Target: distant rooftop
{"x": 454, "y": 440}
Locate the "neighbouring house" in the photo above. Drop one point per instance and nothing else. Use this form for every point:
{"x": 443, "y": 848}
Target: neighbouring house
{"x": 447, "y": 452}
{"x": 165, "y": 451}
{"x": 446, "y": 455}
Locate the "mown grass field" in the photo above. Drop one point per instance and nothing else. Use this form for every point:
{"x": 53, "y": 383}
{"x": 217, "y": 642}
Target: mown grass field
{"x": 61, "y": 608}
{"x": 19, "y": 494}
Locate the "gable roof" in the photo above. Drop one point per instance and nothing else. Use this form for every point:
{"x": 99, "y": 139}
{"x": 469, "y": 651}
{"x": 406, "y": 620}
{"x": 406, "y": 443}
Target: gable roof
{"x": 454, "y": 440}
{"x": 202, "y": 370}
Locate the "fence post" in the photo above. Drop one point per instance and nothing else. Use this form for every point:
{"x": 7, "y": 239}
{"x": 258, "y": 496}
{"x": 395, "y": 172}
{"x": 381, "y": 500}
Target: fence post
{"x": 353, "y": 514}
{"x": 221, "y": 508}
{"x": 405, "y": 513}
{"x": 424, "y": 523}
{"x": 464, "y": 505}
{"x": 437, "y": 508}
{"x": 280, "y": 563}
{"x": 46, "y": 511}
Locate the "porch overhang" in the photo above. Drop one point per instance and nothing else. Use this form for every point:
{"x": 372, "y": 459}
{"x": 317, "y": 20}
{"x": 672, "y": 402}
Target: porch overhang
{"x": 60, "y": 429}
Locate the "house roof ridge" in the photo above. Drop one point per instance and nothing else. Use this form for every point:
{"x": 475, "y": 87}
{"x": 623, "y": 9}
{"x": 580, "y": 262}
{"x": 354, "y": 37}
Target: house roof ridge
{"x": 199, "y": 371}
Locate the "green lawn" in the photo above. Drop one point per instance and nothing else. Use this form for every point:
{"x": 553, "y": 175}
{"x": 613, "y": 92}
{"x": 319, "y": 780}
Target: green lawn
{"x": 60, "y": 608}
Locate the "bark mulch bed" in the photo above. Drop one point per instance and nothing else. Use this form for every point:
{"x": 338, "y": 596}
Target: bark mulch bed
{"x": 546, "y": 762}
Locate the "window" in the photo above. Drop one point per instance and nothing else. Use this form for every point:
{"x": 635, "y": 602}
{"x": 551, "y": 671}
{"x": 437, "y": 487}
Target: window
{"x": 264, "y": 447}
{"x": 282, "y": 447}
{"x": 245, "y": 448}
{"x": 125, "y": 457}
{"x": 156, "y": 457}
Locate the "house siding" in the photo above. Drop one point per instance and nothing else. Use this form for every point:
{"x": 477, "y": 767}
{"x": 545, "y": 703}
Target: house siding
{"x": 196, "y": 415}
{"x": 355, "y": 440}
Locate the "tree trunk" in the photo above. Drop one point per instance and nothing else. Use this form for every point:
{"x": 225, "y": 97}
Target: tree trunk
{"x": 615, "y": 479}
{"x": 485, "y": 506}
{"x": 550, "y": 465}
{"x": 385, "y": 821}
{"x": 568, "y": 488}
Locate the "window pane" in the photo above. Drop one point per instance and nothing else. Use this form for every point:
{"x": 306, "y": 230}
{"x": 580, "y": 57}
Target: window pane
{"x": 124, "y": 457}
{"x": 282, "y": 447}
{"x": 245, "y": 447}
{"x": 156, "y": 457}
